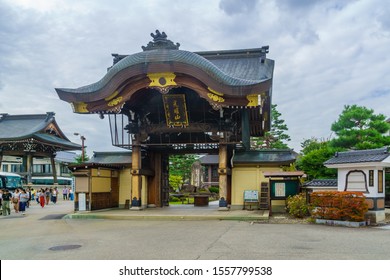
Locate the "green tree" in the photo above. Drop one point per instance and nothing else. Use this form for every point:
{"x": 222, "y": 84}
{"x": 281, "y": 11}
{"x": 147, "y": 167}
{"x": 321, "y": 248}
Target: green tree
{"x": 181, "y": 165}
{"x": 312, "y": 144}
{"x": 175, "y": 181}
{"x": 276, "y": 137}
{"x": 312, "y": 163}
{"x": 359, "y": 128}
{"x": 79, "y": 158}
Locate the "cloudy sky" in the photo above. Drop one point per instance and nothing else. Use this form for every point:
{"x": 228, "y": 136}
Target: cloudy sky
{"x": 327, "y": 53}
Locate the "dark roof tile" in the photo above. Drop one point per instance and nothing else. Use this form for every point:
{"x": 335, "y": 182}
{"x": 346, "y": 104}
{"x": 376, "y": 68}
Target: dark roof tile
{"x": 357, "y": 156}
{"x": 321, "y": 183}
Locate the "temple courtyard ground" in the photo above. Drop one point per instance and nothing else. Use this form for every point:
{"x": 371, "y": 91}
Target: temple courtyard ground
{"x": 52, "y": 233}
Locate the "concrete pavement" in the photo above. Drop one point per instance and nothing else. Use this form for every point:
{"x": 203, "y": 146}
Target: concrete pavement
{"x": 44, "y": 234}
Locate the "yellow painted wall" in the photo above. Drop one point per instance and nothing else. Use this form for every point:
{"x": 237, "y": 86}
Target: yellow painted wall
{"x": 247, "y": 178}
{"x": 124, "y": 186}
{"x": 100, "y": 172}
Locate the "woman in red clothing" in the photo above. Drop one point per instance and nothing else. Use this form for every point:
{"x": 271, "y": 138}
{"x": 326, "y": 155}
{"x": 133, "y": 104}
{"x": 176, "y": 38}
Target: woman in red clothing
{"x": 42, "y": 198}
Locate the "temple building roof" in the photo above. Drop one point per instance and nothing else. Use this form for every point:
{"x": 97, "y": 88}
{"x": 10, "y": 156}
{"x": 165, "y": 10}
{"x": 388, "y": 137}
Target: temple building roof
{"x": 280, "y": 157}
{"x": 164, "y": 97}
{"x": 228, "y": 77}
{"x": 35, "y": 132}
{"x": 359, "y": 156}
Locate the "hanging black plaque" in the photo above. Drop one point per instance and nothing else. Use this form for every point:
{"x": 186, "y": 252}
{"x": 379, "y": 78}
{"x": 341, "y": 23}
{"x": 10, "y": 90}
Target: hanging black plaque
{"x": 175, "y": 110}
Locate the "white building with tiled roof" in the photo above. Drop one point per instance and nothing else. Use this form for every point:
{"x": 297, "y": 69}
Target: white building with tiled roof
{"x": 363, "y": 171}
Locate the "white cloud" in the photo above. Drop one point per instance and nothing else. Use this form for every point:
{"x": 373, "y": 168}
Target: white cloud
{"x": 327, "y": 53}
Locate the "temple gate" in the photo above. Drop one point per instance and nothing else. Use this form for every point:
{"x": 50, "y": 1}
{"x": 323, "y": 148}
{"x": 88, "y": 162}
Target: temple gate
{"x": 166, "y": 101}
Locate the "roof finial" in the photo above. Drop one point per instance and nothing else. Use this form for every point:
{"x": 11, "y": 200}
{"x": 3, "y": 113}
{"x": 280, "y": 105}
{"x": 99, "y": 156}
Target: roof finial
{"x": 160, "y": 41}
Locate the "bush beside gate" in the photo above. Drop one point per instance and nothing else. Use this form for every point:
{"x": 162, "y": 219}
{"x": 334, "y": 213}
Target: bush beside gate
{"x": 335, "y": 205}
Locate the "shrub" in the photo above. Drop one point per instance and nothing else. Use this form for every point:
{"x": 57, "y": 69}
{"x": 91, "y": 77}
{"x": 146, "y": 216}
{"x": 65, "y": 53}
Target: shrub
{"x": 297, "y": 206}
{"x": 214, "y": 189}
{"x": 173, "y": 198}
{"x": 335, "y": 205}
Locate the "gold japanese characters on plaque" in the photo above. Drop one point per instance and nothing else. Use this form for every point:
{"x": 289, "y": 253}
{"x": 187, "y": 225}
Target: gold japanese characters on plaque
{"x": 175, "y": 110}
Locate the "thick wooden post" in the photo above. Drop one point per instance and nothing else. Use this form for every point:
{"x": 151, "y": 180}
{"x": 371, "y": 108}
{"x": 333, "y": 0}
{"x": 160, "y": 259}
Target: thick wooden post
{"x": 29, "y": 168}
{"x": 246, "y": 142}
{"x": 54, "y": 170}
{"x": 136, "y": 182}
{"x": 222, "y": 171}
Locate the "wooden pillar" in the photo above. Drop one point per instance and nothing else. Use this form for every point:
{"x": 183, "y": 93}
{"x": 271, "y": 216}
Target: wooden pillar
{"x": 246, "y": 142}
{"x": 136, "y": 182}
{"x": 222, "y": 171}
{"x": 1, "y": 160}
{"x": 29, "y": 168}
{"x": 54, "y": 170}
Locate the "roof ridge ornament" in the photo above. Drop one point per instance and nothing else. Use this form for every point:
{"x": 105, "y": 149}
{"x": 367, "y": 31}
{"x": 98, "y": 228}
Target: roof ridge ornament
{"x": 160, "y": 41}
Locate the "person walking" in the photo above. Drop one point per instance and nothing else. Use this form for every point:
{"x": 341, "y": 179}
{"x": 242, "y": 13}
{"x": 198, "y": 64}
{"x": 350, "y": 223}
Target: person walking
{"x": 70, "y": 193}
{"x": 23, "y": 200}
{"x": 42, "y": 198}
{"x": 47, "y": 195}
{"x": 65, "y": 193}
{"x": 15, "y": 200}
{"x": 37, "y": 195}
{"x": 54, "y": 194}
{"x": 7, "y": 196}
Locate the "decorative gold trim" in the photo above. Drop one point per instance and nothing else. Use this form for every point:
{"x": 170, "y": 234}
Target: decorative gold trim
{"x": 115, "y": 101}
{"x": 165, "y": 79}
{"x": 254, "y": 100}
{"x": 215, "y": 96}
{"x": 79, "y": 107}
{"x": 115, "y": 93}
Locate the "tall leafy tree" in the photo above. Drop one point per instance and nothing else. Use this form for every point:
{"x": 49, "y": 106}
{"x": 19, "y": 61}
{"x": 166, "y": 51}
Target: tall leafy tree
{"x": 180, "y": 165}
{"x": 79, "y": 158}
{"x": 313, "y": 155}
{"x": 277, "y": 136}
{"x": 359, "y": 128}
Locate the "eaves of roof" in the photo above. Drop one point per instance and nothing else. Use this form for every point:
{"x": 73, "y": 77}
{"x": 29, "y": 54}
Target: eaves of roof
{"x": 184, "y": 57}
{"x": 56, "y": 141}
{"x": 284, "y": 156}
{"x": 359, "y": 156}
{"x": 16, "y": 127}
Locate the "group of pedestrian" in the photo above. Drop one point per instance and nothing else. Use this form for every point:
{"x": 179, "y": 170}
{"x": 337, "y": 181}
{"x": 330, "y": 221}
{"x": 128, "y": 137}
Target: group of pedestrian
{"x": 67, "y": 193}
{"x": 20, "y": 200}
{"x": 44, "y": 196}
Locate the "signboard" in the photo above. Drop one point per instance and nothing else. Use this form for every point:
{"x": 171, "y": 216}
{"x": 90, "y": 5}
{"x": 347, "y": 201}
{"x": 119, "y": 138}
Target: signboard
{"x": 82, "y": 202}
{"x": 280, "y": 189}
{"x": 251, "y": 196}
{"x": 283, "y": 189}
{"x": 175, "y": 110}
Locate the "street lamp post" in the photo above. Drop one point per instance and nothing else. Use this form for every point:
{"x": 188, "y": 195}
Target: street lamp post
{"x": 82, "y": 144}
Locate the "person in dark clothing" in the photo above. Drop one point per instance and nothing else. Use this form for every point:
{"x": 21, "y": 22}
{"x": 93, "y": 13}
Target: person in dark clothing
{"x": 7, "y": 196}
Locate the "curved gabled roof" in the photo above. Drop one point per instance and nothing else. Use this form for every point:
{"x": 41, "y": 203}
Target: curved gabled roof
{"x": 163, "y": 56}
{"x": 224, "y": 78}
{"x": 41, "y": 127}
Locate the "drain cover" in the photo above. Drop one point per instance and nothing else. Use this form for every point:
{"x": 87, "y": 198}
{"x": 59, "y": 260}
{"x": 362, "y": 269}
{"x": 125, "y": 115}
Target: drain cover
{"x": 64, "y": 247}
